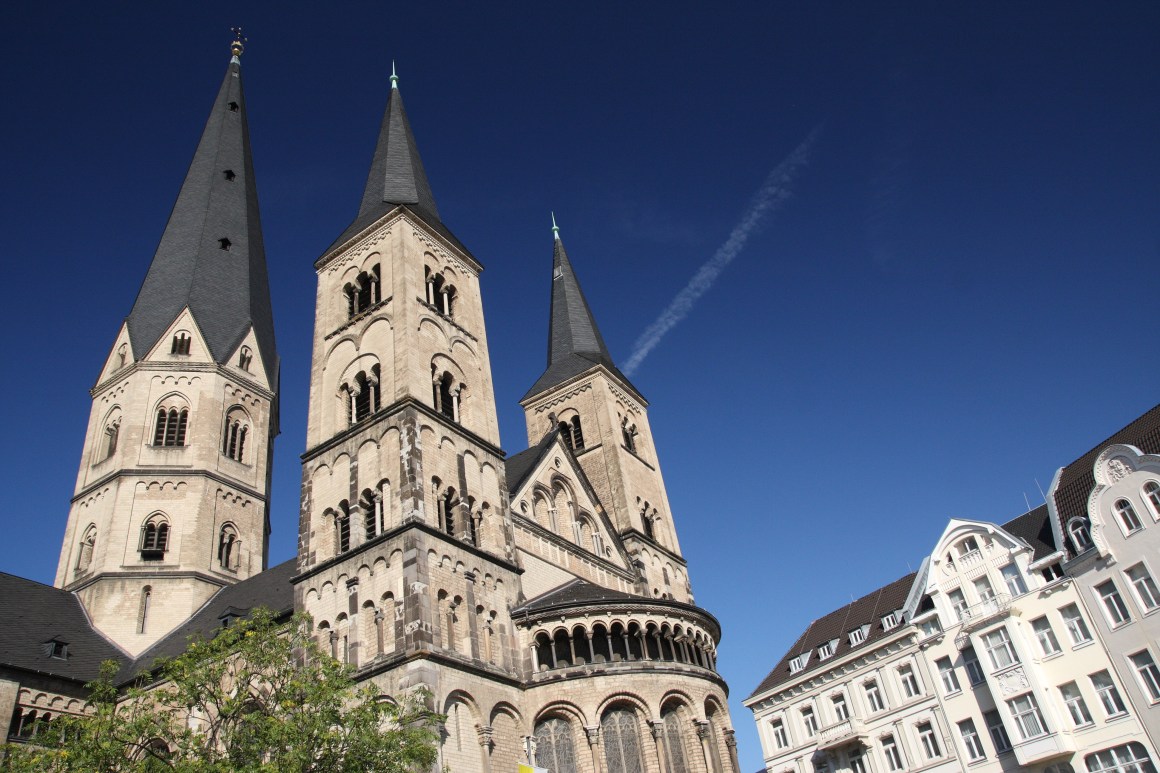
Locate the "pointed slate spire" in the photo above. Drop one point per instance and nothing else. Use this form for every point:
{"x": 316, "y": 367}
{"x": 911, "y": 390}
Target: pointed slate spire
{"x": 211, "y": 257}
{"x": 574, "y": 340}
{"x": 397, "y": 176}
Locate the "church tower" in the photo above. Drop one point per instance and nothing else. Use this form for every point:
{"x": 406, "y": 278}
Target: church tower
{"x": 405, "y": 550}
{"x": 172, "y": 497}
{"x": 604, "y": 420}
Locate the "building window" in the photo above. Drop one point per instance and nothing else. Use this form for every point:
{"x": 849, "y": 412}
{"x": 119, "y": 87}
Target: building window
{"x": 890, "y": 621}
{"x": 171, "y": 425}
{"x": 777, "y": 730}
{"x": 342, "y": 527}
{"x": 958, "y": 603}
{"x": 909, "y": 681}
{"x": 1027, "y": 716}
{"x": 826, "y": 650}
{"x": 1144, "y": 587}
{"x": 228, "y": 548}
{"x": 974, "y": 669}
{"x": 874, "y": 695}
{"x": 628, "y": 433}
{"x": 572, "y": 434}
{"x": 554, "y": 749}
{"x": 365, "y": 394}
{"x": 1127, "y": 515}
{"x": 1052, "y": 573}
{"x": 181, "y": 341}
{"x": 1077, "y": 629}
{"x": 857, "y": 762}
{"x": 1152, "y": 494}
{"x": 891, "y": 753}
{"x": 143, "y": 609}
{"x": 1129, "y": 758}
{"x": 809, "y": 722}
{"x": 87, "y": 546}
{"x": 998, "y": 732}
{"x": 235, "y": 434}
{"x": 1081, "y": 539}
{"x": 1148, "y": 672}
{"x": 841, "y": 710}
{"x": 364, "y": 292}
{"x": 1047, "y": 641}
{"x": 245, "y": 357}
{"x": 999, "y": 648}
{"x": 971, "y": 741}
{"x": 984, "y": 590}
{"x": 1076, "y": 707}
{"x": 929, "y": 740}
{"x": 1108, "y": 694}
{"x": 1114, "y": 606}
{"x": 620, "y": 737}
{"x": 798, "y": 663}
{"x": 858, "y": 635}
{"x": 154, "y": 538}
{"x": 446, "y": 396}
{"x": 1014, "y": 579}
{"x": 946, "y": 672}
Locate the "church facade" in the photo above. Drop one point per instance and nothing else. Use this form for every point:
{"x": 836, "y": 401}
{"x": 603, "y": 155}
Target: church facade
{"x": 542, "y": 598}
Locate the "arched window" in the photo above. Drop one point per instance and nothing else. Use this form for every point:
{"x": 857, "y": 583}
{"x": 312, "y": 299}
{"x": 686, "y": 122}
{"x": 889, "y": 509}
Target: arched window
{"x": 628, "y": 432}
{"x": 647, "y": 518}
{"x": 365, "y": 394}
{"x": 112, "y": 434}
{"x": 446, "y": 396}
{"x": 621, "y": 737}
{"x": 342, "y": 527}
{"x": 181, "y": 341}
{"x": 674, "y": 740}
{"x": 154, "y": 538}
{"x": 245, "y": 357}
{"x": 235, "y": 434}
{"x": 1152, "y": 494}
{"x": 571, "y": 433}
{"x": 369, "y": 504}
{"x": 122, "y": 356}
{"x": 447, "y": 505}
{"x": 228, "y": 548}
{"x": 1127, "y": 515}
{"x": 1131, "y": 757}
{"x": 1081, "y": 539}
{"x": 364, "y": 292}
{"x": 87, "y": 546}
{"x": 143, "y": 610}
{"x": 554, "y": 749}
{"x": 171, "y": 426}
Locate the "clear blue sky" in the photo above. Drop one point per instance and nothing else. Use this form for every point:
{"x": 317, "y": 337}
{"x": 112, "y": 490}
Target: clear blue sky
{"x": 954, "y": 302}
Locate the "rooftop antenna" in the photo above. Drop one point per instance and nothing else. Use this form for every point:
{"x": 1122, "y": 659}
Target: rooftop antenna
{"x": 394, "y": 77}
{"x": 1040, "y": 489}
{"x": 1027, "y": 501}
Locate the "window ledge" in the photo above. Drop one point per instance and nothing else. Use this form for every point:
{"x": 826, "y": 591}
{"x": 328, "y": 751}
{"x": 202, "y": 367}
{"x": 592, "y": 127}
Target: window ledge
{"x": 1118, "y": 717}
{"x": 1083, "y": 644}
{"x": 953, "y": 693}
{"x": 1051, "y": 656}
{"x": 976, "y": 763}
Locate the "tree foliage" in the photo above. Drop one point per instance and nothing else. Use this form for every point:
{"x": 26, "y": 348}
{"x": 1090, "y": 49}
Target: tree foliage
{"x": 259, "y": 696}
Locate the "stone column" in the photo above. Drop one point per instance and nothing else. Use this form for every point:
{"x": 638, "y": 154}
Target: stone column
{"x": 701, "y": 727}
{"x": 657, "y": 728}
{"x": 731, "y": 743}
{"x": 486, "y": 745}
{"x": 593, "y": 735}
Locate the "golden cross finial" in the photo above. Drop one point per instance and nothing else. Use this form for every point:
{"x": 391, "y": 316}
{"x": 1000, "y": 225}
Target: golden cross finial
{"x": 238, "y": 46}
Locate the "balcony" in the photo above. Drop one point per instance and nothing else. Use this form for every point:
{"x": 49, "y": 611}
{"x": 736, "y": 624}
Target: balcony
{"x": 841, "y": 733}
{"x": 978, "y": 614}
{"x": 1043, "y": 748}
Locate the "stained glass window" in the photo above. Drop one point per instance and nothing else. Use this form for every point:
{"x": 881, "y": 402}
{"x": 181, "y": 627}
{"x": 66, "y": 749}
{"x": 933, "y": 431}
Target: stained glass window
{"x": 554, "y": 749}
{"x": 621, "y": 739}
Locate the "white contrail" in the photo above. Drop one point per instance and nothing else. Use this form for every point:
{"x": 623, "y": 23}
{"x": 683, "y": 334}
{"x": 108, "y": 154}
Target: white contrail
{"x": 769, "y": 197}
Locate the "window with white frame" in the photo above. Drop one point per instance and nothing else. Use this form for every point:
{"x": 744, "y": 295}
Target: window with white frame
{"x": 1114, "y": 606}
{"x": 1127, "y": 515}
{"x": 999, "y": 648}
{"x": 1077, "y": 629}
{"x": 1144, "y": 587}
{"x": 1052, "y": 572}
{"x": 826, "y": 649}
{"x": 997, "y": 731}
{"x": 930, "y": 626}
{"x": 1028, "y": 718}
{"x": 968, "y": 546}
{"x": 958, "y": 603}
{"x": 971, "y": 663}
{"x": 1045, "y": 635}
{"x": 1148, "y": 673}
{"x": 1076, "y": 706}
{"x": 1129, "y": 758}
{"x": 1016, "y": 585}
{"x": 858, "y": 762}
{"x": 1108, "y": 694}
{"x": 1081, "y": 538}
{"x": 909, "y": 681}
{"x": 858, "y": 635}
{"x": 929, "y": 740}
{"x": 841, "y": 710}
{"x": 971, "y": 741}
{"x": 983, "y": 589}
{"x": 891, "y": 753}
{"x": 1152, "y": 495}
{"x": 873, "y": 695}
{"x": 778, "y": 733}
{"x": 946, "y": 672}
{"x": 798, "y": 663}
{"x": 809, "y": 721}
{"x": 890, "y": 620}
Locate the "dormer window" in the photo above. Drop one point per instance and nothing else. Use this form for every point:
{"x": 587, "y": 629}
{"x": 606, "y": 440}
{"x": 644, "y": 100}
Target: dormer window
{"x": 826, "y": 650}
{"x": 181, "y": 341}
{"x": 55, "y": 648}
{"x": 229, "y": 175}
{"x": 858, "y": 635}
{"x": 890, "y": 620}
{"x": 225, "y": 244}
{"x": 798, "y": 663}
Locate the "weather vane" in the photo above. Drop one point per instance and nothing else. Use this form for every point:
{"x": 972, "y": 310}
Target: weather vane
{"x": 239, "y": 42}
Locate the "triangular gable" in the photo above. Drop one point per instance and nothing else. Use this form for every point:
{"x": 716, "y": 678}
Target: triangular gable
{"x": 120, "y": 356}
{"x": 163, "y": 350}
{"x": 249, "y": 367}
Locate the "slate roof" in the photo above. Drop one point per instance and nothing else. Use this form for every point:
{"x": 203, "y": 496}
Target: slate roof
{"x": 837, "y": 625}
{"x": 1034, "y": 528}
{"x": 1077, "y": 480}
{"x": 227, "y": 290}
{"x": 576, "y": 592}
{"x": 397, "y": 178}
{"x": 517, "y": 468}
{"x": 34, "y": 614}
{"x": 574, "y": 341}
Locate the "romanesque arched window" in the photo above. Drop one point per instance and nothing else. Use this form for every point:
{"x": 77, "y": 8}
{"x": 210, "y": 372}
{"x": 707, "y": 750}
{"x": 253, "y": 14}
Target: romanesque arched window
{"x": 440, "y": 295}
{"x": 571, "y": 433}
{"x": 342, "y": 527}
{"x": 1080, "y": 536}
{"x": 620, "y": 734}
{"x": 370, "y": 504}
{"x": 447, "y": 507}
{"x": 122, "y": 356}
{"x": 1127, "y": 515}
{"x": 365, "y": 396}
{"x": 143, "y": 608}
{"x": 172, "y": 421}
{"x": 674, "y": 739}
{"x": 228, "y": 547}
{"x": 628, "y": 434}
{"x": 235, "y": 434}
{"x": 554, "y": 748}
{"x": 245, "y": 357}
{"x": 446, "y": 395}
{"x": 181, "y": 342}
{"x": 154, "y": 538}
{"x": 86, "y": 548}
{"x": 364, "y": 292}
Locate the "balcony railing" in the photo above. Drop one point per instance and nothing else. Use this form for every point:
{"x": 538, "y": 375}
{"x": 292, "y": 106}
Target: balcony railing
{"x": 839, "y": 733}
{"x": 977, "y": 614}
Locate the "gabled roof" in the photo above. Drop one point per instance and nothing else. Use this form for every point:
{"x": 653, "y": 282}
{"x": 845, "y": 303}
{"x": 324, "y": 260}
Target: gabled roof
{"x": 867, "y": 610}
{"x": 226, "y": 289}
{"x": 574, "y": 341}
{"x": 1076, "y": 480}
{"x": 397, "y": 178}
{"x": 577, "y": 591}
{"x": 517, "y": 468}
{"x": 1034, "y": 528}
{"x": 35, "y": 614}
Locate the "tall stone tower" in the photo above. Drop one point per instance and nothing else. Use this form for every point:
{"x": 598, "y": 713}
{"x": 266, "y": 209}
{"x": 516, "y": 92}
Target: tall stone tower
{"x": 172, "y": 497}
{"x": 604, "y": 420}
{"x": 405, "y": 550}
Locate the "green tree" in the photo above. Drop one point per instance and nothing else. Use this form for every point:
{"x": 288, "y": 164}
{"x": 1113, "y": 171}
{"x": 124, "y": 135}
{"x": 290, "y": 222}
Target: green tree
{"x": 258, "y": 696}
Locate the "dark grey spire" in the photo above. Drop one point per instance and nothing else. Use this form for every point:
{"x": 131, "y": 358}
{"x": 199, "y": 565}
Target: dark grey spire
{"x": 397, "y": 176}
{"x": 574, "y": 340}
{"x": 211, "y": 257}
